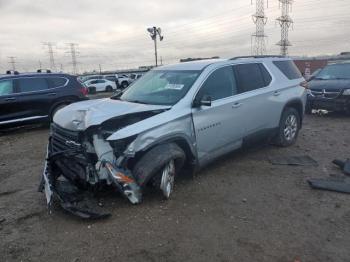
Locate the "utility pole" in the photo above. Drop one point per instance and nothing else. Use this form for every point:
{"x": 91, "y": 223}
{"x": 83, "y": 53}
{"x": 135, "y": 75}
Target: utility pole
{"x": 285, "y": 22}
{"x": 154, "y": 31}
{"x": 12, "y": 62}
{"x": 40, "y": 65}
{"x": 49, "y": 46}
{"x": 73, "y": 52}
{"x": 99, "y": 66}
{"x": 260, "y": 20}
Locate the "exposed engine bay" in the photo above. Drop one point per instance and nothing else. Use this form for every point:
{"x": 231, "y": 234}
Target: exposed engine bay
{"x": 81, "y": 162}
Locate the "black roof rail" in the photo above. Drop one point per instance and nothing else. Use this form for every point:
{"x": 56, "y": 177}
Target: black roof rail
{"x": 41, "y": 70}
{"x": 10, "y": 72}
{"x": 258, "y": 56}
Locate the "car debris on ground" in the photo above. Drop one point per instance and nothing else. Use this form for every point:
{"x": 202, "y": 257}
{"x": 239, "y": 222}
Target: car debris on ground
{"x": 339, "y": 184}
{"x": 293, "y": 160}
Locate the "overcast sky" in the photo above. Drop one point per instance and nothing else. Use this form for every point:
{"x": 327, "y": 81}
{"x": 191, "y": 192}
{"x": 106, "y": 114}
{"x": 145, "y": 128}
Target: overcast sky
{"x": 113, "y": 32}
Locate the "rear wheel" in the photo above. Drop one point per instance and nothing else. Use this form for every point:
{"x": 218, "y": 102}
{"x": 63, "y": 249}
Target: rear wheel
{"x": 289, "y": 128}
{"x": 109, "y": 89}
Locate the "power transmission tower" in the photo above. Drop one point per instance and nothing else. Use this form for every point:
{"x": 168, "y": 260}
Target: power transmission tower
{"x": 260, "y": 20}
{"x": 285, "y": 22}
{"x": 12, "y": 62}
{"x": 49, "y": 46}
{"x": 73, "y": 52}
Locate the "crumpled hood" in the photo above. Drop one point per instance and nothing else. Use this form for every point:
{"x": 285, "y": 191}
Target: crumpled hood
{"x": 79, "y": 116}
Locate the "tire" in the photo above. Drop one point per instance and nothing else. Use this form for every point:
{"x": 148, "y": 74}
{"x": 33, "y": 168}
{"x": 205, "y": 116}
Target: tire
{"x": 109, "y": 89}
{"x": 125, "y": 84}
{"x": 289, "y": 127}
{"x": 152, "y": 165}
{"x": 55, "y": 109}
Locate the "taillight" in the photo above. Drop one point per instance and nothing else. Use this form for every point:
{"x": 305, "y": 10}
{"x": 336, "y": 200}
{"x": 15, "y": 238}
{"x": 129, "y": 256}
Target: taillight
{"x": 84, "y": 90}
{"x": 305, "y": 84}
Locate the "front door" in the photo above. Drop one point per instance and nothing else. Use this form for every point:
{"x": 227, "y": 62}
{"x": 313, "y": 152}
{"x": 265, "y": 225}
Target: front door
{"x": 219, "y": 127}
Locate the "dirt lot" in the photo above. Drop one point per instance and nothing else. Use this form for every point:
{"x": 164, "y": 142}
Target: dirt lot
{"x": 241, "y": 208}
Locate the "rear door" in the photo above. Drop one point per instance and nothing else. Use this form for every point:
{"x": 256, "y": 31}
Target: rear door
{"x": 218, "y": 127}
{"x": 9, "y": 108}
{"x": 35, "y": 96}
{"x": 256, "y": 91}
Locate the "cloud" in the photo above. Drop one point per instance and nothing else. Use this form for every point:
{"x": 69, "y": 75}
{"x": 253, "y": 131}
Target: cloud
{"x": 113, "y": 32}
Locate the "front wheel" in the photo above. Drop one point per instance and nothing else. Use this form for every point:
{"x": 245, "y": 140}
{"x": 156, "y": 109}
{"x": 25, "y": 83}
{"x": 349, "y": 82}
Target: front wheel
{"x": 160, "y": 166}
{"x": 289, "y": 128}
{"x": 109, "y": 89}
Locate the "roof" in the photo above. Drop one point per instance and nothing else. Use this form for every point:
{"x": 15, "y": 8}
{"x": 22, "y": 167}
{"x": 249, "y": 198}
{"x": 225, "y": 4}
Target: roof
{"x": 193, "y": 65}
{"x": 30, "y": 75}
{"x": 201, "y": 64}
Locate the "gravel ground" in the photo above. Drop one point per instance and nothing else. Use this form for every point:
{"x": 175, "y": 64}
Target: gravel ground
{"x": 241, "y": 208}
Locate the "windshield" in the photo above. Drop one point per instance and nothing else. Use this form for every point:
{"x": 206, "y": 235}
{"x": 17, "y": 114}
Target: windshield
{"x": 340, "y": 71}
{"x": 160, "y": 87}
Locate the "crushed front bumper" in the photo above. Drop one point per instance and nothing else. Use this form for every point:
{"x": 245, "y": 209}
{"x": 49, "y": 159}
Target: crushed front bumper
{"x": 73, "y": 192}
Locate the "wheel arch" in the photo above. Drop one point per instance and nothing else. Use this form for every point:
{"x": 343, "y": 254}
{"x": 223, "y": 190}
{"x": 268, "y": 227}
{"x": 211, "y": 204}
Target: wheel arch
{"x": 298, "y": 105}
{"x": 180, "y": 140}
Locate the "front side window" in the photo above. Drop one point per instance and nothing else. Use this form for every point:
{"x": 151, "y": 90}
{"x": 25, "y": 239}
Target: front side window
{"x": 220, "y": 84}
{"x": 331, "y": 72}
{"x": 161, "y": 87}
{"x": 32, "y": 84}
{"x": 6, "y": 87}
{"x": 249, "y": 77}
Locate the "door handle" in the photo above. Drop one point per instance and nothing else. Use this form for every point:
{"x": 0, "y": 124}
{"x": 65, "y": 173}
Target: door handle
{"x": 51, "y": 94}
{"x": 276, "y": 93}
{"x": 237, "y": 105}
{"x": 10, "y": 99}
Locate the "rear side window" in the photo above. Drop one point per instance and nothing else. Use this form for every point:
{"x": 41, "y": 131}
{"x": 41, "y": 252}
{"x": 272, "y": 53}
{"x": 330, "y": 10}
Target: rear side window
{"x": 266, "y": 75}
{"x": 32, "y": 84}
{"x": 6, "y": 87}
{"x": 250, "y": 77}
{"x": 220, "y": 84}
{"x": 289, "y": 69}
{"x": 57, "y": 81}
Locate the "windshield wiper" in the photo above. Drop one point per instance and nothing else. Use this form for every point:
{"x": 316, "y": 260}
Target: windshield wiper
{"x": 137, "y": 102}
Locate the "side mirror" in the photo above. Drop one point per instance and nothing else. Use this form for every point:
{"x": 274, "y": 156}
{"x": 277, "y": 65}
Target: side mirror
{"x": 204, "y": 101}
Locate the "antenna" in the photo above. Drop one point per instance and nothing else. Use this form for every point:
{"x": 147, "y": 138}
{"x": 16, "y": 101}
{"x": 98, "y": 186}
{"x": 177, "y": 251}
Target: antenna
{"x": 260, "y": 20}
{"x": 285, "y": 22}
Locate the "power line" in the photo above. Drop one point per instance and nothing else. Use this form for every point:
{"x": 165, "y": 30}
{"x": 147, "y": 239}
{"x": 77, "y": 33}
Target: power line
{"x": 49, "y": 46}
{"x": 285, "y": 22}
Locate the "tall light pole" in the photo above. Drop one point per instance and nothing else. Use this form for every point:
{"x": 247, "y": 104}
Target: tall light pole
{"x": 154, "y": 31}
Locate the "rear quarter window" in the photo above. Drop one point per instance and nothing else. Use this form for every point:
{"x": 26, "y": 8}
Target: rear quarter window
{"x": 289, "y": 69}
{"x": 57, "y": 82}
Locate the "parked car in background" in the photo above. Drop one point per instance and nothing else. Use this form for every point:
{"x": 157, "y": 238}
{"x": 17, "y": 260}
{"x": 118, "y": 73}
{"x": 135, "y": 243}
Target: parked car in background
{"x": 101, "y": 85}
{"x": 178, "y": 115}
{"x": 330, "y": 89}
{"x": 134, "y": 77}
{"x": 33, "y": 97}
{"x": 123, "y": 80}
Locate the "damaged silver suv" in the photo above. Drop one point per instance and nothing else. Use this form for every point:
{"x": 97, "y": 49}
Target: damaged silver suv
{"x": 175, "y": 116}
